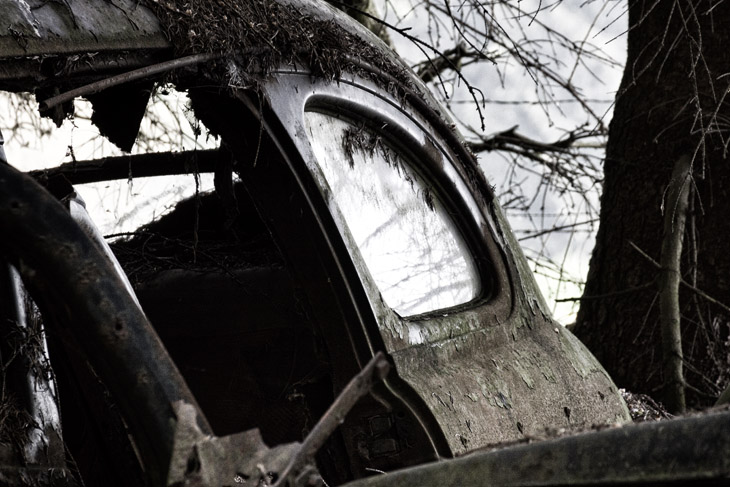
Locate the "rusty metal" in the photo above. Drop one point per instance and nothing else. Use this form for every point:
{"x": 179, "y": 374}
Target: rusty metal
{"x": 133, "y": 166}
{"x": 73, "y": 280}
{"x": 137, "y": 74}
{"x": 359, "y": 386}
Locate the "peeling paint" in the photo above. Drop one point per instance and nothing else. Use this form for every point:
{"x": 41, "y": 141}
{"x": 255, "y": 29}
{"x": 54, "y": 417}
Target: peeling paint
{"x": 582, "y": 361}
{"x": 522, "y": 369}
{"x": 547, "y": 372}
{"x": 19, "y": 18}
{"x": 492, "y": 391}
{"x": 441, "y": 401}
{"x": 502, "y": 401}
{"x": 415, "y": 335}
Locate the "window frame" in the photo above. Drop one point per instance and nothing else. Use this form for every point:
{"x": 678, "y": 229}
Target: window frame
{"x": 291, "y": 92}
{"x": 401, "y": 149}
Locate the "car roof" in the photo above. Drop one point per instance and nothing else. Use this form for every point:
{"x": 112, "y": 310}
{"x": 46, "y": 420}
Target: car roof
{"x": 85, "y": 25}
{"x": 42, "y": 43}
{"x": 35, "y": 34}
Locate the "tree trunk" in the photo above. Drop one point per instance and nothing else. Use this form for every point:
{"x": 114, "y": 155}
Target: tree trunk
{"x": 671, "y": 103}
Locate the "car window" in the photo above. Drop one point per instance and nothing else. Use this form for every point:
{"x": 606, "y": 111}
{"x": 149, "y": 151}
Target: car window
{"x": 404, "y": 234}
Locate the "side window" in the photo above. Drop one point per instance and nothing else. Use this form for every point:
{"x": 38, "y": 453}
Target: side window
{"x": 411, "y": 248}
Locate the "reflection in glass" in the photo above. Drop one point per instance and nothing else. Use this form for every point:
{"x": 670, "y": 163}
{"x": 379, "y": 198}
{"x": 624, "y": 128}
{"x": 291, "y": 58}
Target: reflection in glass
{"x": 402, "y": 232}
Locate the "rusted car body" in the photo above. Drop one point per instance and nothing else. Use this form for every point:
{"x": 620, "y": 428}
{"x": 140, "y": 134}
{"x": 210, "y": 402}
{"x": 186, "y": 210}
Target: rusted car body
{"x": 357, "y": 224}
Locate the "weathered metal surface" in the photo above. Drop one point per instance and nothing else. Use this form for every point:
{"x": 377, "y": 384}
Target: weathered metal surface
{"x": 491, "y": 385}
{"x": 203, "y": 460}
{"x": 514, "y": 376}
{"x": 356, "y": 389}
{"x": 509, "y": 377}
{"x": 80, "y": 286}
{"x": 686, "y": 451}
{"x": 493, "y": 370}
{"x": 42, "y": 28}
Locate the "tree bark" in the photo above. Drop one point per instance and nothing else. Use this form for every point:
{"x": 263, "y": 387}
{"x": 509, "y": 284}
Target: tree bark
{"x": 671, "y": 103}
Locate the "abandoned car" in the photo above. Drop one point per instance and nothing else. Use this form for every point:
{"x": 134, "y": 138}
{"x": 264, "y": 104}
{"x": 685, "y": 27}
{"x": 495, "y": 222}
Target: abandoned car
{"x": 350, "y": 235}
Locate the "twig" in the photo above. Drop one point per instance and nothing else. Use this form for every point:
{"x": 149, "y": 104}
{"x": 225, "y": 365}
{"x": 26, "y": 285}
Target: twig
{"x": 557, "y": 229}
{"x": 422, "y": 45}
{"x": 119, "y": 79}
{"x": 500, "y": 140}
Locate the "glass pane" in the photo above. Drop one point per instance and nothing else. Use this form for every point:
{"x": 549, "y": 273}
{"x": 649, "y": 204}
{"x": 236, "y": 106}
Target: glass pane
{"x": 403, "y": 233}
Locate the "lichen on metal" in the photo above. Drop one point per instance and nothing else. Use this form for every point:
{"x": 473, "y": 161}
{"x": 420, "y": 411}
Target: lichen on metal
{"x": 510, "y": 379}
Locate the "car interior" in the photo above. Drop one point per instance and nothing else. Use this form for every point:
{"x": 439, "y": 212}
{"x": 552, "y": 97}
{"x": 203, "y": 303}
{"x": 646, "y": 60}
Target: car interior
{"x": 238, "y": 321}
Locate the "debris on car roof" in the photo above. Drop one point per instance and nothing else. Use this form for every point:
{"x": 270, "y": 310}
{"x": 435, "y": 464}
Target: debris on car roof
{"x": 264, "y": 34}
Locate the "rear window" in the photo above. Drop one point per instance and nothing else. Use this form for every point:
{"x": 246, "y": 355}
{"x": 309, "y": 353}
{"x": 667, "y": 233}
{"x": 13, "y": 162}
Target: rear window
{"x": 405, "y": 235}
